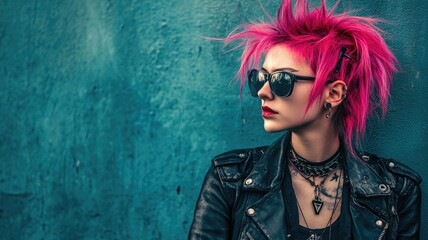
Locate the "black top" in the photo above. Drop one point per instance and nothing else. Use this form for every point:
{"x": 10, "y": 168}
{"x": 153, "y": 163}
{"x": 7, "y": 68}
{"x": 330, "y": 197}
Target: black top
{"x": 340, "y": 228}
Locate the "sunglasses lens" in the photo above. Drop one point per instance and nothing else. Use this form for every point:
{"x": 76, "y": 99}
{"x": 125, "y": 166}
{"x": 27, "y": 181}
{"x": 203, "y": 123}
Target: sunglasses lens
{"x": 256, "y": 80}
{"x": 281, "y": 84}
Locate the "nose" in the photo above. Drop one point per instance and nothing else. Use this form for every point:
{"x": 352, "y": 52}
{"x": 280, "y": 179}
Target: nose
{"x": 265, "y": 93}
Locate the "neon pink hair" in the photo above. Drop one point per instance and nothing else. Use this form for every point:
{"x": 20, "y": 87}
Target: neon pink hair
{"x": 318, "y": 36}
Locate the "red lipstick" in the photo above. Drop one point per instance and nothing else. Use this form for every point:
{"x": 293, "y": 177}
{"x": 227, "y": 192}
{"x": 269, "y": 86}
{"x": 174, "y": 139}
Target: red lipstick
{"x": 267, "y": 111}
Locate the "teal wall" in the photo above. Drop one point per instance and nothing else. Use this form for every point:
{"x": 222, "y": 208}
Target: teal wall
{"x": 111, "y": 110}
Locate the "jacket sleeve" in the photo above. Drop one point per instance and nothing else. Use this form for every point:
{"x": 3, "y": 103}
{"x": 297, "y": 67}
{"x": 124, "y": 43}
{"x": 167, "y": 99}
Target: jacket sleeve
{"x": 409, "y": 211}
{"x": 212, "y": 213}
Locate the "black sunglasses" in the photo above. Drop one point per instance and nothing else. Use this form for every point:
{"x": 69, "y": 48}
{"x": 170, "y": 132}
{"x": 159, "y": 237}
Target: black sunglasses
{"x": 281, "y": 83}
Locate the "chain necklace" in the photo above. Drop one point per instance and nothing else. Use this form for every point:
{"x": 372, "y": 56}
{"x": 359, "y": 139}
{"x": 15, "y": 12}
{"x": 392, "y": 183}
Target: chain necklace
{"x": 325, "y": 170}
{"x": 313, "y": 235}
{"x": 307, "y": 168}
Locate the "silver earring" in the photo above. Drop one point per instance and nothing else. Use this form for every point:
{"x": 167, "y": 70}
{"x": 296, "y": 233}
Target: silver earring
{"x": 345, "y": 88}
{"x": 328, "y": 107}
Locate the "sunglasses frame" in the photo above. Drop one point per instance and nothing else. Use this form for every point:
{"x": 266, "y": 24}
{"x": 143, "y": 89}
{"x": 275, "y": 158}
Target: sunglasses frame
{"x": 268, "y": 78}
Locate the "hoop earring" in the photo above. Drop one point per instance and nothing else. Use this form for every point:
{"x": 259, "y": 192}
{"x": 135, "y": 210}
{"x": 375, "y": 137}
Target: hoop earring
{"x": 328, "y": 107}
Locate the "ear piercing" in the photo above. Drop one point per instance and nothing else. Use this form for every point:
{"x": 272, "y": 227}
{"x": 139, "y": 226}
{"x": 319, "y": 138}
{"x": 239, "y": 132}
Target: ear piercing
{"x": 328, "y": 107}
{"x": 345, "y": 88}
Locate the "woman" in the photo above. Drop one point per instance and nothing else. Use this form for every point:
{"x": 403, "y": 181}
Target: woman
{"x": 322, "y": 75}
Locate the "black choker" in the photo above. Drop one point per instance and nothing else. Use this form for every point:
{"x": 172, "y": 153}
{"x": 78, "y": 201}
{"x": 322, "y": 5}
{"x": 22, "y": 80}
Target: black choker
{"x": 310, "y": 169}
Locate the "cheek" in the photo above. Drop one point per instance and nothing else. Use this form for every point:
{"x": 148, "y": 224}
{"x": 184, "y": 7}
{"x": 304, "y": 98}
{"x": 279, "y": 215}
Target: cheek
{"x": 314, "y": 110}
{"x": 300, "y": 97}
{"x": 299, "y": 101}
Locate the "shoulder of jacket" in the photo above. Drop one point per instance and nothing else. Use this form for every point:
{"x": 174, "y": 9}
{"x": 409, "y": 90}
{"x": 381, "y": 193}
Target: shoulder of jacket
{"x": 393, "y": 166}
{"x": 235, "y": 156}
{"x": 231, "y": 165}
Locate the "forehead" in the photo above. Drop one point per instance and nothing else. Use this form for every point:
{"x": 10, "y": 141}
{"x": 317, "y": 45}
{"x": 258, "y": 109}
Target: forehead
{"x": 281, "y": 56}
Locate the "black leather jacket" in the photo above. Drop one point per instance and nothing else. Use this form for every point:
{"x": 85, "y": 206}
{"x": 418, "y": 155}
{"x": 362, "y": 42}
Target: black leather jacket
{"x": 385, "y": 198}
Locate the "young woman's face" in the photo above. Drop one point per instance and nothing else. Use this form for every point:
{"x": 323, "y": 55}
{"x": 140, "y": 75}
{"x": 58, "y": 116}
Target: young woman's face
{"x": 288, "y": 113}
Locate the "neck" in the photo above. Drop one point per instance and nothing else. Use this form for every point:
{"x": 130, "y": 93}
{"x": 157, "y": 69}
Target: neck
{"x": 315, "y": 145}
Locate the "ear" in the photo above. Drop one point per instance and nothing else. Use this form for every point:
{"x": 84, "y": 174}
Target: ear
{"x": 335, "y": 93}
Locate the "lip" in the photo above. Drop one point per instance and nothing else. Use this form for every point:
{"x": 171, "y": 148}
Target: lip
{"x": 267, "y": 111}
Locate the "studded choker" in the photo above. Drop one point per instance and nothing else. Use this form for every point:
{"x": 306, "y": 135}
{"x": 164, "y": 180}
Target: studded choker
{"x": 311, "y": 169}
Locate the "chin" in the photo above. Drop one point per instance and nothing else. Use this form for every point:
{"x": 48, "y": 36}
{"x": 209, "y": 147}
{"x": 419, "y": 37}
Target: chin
{"x": 274, "y": 127}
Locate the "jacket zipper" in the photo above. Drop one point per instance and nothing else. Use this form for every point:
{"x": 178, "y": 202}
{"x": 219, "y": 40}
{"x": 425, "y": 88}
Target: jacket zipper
{"x": 383, "y": 231}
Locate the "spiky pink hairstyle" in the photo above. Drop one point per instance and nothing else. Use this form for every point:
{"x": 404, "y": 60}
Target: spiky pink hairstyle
{"x": 318, "y": 35}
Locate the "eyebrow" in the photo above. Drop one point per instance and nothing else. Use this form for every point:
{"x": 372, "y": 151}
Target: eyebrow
{"x": 287, "y": 69}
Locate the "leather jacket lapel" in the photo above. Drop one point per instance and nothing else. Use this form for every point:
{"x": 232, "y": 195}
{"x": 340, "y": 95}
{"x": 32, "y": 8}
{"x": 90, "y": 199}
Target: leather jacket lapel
{"x": 267, "y": 173}
{"x": 367, "y": 187}
{"x": 368, "y": 205}
{"x": 269, "y": 215}
{"x": 267, "y": 176}
{"x": 367, "y": 224}
{"x": 365, "y": 181}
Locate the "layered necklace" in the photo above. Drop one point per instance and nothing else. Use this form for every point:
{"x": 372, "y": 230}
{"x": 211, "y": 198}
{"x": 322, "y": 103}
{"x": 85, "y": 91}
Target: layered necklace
{"x": 314, "y": 236}
{"x": 311, "y": 170}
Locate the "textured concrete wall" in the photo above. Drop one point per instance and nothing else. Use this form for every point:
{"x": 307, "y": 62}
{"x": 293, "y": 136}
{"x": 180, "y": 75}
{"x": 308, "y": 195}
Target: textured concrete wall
{"x": 111, "y": 110}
